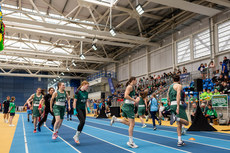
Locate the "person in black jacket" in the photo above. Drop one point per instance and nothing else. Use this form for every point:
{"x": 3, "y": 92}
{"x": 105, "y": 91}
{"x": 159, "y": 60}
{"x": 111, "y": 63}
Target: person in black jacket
{"x": 46, "y": 99}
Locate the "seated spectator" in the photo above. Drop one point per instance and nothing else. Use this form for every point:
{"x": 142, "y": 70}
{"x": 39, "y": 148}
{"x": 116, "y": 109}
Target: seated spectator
{"x": 224, "y": 70}
{"x": 216, "y": 91}
{"x": 208, "y": 95}
{"x": 224, "y": 88}
{"x": 161, "y": 109}
{"x": 221, "y": 78}
{"x": 194, "y": 107}
{"x": 184, "y": 70}
{"x": 203, "y": 108}
{"x": 201, "y": 69}
{"x": 203, "y": 95}
{"x": 226, "y": 79}
{"x": 211, "y": 113}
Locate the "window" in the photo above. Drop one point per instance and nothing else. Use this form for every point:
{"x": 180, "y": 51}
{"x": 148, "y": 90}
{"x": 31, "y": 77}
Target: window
{"x": 183, "y": 50}
{"x": 224, "y": 36}
{"x": 201, "y": 44}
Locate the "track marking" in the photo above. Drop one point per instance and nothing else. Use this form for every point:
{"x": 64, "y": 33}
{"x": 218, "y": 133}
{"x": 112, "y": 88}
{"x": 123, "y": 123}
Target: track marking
{"x": 168, "y": 137}
{"x": 100, "y": 139}
{"x": 24, "y": 131}
{"x": 136, "y": 138}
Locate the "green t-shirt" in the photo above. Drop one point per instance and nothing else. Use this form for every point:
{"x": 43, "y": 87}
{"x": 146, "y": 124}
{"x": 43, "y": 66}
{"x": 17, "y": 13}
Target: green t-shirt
{"x": 81, "y": 97}
{"x": 211, "y": 112}
{"x": 12, "y": 105}
{"x": 217, "y": 93}
{"x": 203, "y": 95}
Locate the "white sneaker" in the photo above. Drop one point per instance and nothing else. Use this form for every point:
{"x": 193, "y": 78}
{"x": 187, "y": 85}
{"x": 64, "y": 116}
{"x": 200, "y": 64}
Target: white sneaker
{"x": 7, "y": 121}
{"x": 112, "y": 120}
{"x": 144, "y": 126}
{"x": 147, "y": 118}
{"x": 11, "y": 125}
{"x": 76, "y": 138}
{"x": 132, "y": 145}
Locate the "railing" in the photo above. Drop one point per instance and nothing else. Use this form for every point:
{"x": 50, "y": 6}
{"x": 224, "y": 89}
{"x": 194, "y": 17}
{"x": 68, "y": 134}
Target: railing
{"x": 101, "y": 74}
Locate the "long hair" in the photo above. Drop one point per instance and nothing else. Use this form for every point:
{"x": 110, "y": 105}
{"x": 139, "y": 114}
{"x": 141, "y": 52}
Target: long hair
{"x": 143, "y": 94}
{"x": 130, "y": 80}
{"x": 59, "y": 84}
{"x": 43, "y": 92}
{"x": 82, "y": 84}
{"x": 12, "y": 98}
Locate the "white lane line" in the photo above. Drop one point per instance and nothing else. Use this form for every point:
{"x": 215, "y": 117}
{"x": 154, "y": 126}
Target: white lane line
{"x": 65, "y": 141}
{"x": 101, "y": 139}
{"x": 138, "y": 138}
{"x": 187, "y": 134}
{"x": 24, "y": 131}
{"x": 167, "y": 137}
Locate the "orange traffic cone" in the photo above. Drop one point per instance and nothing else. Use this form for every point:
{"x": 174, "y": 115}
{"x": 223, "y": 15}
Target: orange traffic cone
{"x": 192, "y": 139}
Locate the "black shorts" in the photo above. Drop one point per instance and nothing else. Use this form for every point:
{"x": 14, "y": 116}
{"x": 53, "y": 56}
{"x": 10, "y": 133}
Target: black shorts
{"x": 12, "y": 114}
{"x": 5, "y": 111}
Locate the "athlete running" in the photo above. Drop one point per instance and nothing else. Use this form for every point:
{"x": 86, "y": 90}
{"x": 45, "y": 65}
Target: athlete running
{"x": 128, "y": 110}
{"x": 79, "y": 104}
{"x": 59, "y": 107}
{"x": 177, "y": 109}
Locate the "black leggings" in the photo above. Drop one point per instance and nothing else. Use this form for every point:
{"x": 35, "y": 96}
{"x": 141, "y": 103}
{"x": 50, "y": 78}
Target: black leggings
{"x": 81, "y": 114}
{"x": 45, "y": 117}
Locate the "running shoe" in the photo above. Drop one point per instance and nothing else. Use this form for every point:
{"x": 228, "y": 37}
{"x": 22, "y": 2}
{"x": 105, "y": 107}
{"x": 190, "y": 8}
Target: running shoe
{"x": 35, "y": 130}
{"x": 67, "y": 119}
{"x": 28, "y": 120}
{"x": 154, "y": 128}
{"x": 179, "y": 144}
{"x": 54, "y": 136}
{"x": 144, "y": 126}
{"x": 70, "y": 118}
{"x": 147, "y": 118}
{"x": 132, "y": 145}
{"x": 159, "y": 121}
{"x": 32, "y": 121}
{"x": 172, "y": 118}
{"x": 11, "y": 125}
{"x": 39, "y": 128}
{"x": 6, "y": 121}
{"x": 76, "y": 138}
{"x": 112, "y": 120}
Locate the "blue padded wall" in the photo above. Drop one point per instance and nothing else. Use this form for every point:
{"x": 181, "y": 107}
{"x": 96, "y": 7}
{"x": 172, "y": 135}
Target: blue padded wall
{"x": 20, "y": 87}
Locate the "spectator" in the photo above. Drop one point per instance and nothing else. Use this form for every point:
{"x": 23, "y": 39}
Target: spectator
{"x": 224, "y": 88}
{"x": 211, "y": 114}
{"x": 226, "y": 79}
{"x": 161, "y": 109}
{"x": 211, "y": 68}
{"x": 184, "y": 70}
{"x": 203, "y": 95}
{"x": 201, "y": 69}
{"x": 221, "y": 78}
{"x": 227, "y": 62}
{"x": 194, "y": 107}
{"x": 216, "y": 91}
{"x": 209, "y": 95}
{"x": 203, "y": 108}
{"x": 224, "y": 70}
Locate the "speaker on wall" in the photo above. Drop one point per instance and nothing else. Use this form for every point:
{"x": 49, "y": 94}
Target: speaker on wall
{"x": 198, "y": 85}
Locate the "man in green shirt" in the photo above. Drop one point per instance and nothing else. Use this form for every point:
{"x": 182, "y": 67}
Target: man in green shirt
{"x": 12, "y": 110}
{"x": 211, "y": 114}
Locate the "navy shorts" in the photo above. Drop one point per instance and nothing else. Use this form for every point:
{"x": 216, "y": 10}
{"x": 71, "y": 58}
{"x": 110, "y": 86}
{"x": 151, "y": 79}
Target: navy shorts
{"x": 6, "y": 111}
{"x": 12, "y": 114}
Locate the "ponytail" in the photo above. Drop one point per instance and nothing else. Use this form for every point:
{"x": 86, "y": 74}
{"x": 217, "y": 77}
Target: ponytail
{"x": 82, "y": 84}
{"x": 130, "y": 80}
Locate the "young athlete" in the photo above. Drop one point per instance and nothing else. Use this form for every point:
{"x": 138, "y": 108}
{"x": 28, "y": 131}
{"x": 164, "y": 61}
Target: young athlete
{"x": 29, "y": 110}
{"x": 46, "y": 101}
{"x": 5, "y": 105}
{"x": 12, "y": 110}
{"x": 153, "y": 110}
{"x": 79, "y": 104}
{"x": 36, "y": 98}
{"x": 59, "y": 107}
{"x": 142, "y": 107}
{"x": 178, "y": 111}
{"x": 128, "y": 110}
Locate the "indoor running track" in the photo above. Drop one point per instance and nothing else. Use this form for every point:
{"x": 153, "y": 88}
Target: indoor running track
{"x": 99, "y": 137}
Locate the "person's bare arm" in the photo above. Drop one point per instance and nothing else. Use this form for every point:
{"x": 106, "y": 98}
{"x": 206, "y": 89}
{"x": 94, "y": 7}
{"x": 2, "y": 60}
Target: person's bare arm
{"x": 74, "y": 103}
{"x": 68, "y": 100}
{"x": 30, "y": 99}
{"x": 127, "y": 92}
{"x": 178, "y": 97}
{"x": 51, "y": 101}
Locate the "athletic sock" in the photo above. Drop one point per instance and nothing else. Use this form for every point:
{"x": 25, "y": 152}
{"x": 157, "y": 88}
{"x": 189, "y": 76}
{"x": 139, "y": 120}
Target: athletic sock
{"x": 130, "y": 139}
{"x": 178, "y": 119}
{"x": 179, "y": 139}
{"x": 78, "y": 133}
{"x": 117, "y": 120}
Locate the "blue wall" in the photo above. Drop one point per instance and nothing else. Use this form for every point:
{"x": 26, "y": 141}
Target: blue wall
{"x": 20, "y": 87}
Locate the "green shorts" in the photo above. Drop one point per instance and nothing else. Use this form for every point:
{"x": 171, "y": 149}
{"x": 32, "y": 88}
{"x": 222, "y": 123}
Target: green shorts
{"x": 182, "y": 114}
{"x": 59, "y": 111}
{"x": 141, "y": 111}
{"x": 36, "y": 112}
{"x": 128, "y": 111}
